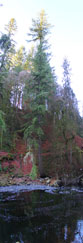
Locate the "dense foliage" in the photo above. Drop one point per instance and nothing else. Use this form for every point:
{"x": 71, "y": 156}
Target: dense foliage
{"x": 33, "y": 105}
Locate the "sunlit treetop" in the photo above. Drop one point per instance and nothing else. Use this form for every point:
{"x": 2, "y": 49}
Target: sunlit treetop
{"x": 40, "y": 28}
{"x": 11, "y": 27}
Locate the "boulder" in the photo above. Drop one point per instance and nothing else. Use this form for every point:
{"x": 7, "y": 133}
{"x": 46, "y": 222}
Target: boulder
{"x": 48, "y": 181}
{"x": 55, "y": 183}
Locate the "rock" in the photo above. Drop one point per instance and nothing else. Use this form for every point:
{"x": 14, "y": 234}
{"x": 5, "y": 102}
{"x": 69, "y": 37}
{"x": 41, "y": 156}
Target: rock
{"x": 28, "y": 183}
{"x": 41, "y": 180}
{"x": 55, "y": 183}
{"x": 47, "y": 181}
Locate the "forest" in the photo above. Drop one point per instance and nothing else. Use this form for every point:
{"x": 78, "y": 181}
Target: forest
{"x": 34, "y": 109}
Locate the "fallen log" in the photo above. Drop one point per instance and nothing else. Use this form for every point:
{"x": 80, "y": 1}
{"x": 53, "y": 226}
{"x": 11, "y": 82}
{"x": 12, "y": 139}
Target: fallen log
{"x": 73, "y": 181}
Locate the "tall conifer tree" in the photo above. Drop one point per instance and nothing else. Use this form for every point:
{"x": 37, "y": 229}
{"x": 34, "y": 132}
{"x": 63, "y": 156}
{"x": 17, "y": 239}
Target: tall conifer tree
{"x": 40, "y": 86}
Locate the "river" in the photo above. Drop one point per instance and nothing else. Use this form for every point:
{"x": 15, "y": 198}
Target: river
{"x": 41, "y": 214}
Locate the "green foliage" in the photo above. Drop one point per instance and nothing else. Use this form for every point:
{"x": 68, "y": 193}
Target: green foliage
{"x": 5, "y": 168}
{"x": 33, "y": 173}
{"x": 2, "y": 122}
{"x": 28, "y": 61}
{"x": 31, "y": 100}
{"x": 38, "y": 90}
{"x": 40, "y": 28}
{"x": 19, "y": 59}
{"x": 2, "y": 127}
{"x": 5, "y": 46}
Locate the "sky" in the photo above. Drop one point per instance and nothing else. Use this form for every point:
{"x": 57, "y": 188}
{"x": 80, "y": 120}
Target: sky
{"x": 66, "y": 17}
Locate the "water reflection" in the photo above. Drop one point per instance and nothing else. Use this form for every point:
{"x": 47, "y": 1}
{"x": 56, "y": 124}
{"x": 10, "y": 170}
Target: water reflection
{"x": 38, "y": 216}
{"x": 79, "y": 232}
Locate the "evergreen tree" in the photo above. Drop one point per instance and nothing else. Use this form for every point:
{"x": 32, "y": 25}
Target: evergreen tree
{"x": 7, "y": 49}
{"x": 40, "y": 29}
{"x": 67, "y": 118}
{"x": 19, "y": 59}
{"x": 11, "y": 27}
{"x": 39, "y": 88}
{"x": 5, "y": 45}
{"x": 69, "y": 99}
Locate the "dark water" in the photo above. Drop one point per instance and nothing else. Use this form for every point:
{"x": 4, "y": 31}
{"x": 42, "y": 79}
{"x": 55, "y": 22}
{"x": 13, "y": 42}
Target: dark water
{"x": 40, "y": 215}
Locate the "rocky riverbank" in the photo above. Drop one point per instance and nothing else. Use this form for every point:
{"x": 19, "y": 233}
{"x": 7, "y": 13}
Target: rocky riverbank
{"x": 19, "y": 168}
{"x": 7, "y": 180}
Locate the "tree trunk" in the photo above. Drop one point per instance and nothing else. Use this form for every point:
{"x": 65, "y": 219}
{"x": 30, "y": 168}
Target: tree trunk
{"x": 41, "y": 169}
